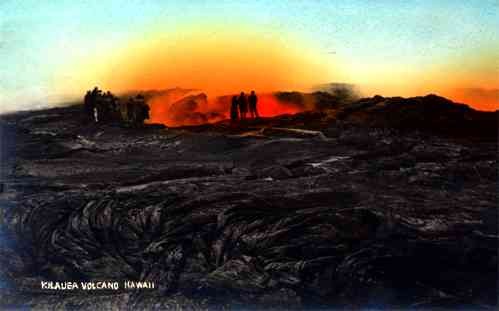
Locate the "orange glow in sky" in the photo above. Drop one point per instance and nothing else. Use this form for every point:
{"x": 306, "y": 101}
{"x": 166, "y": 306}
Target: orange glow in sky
{"x": 217, "y": 63}
{"x": 228, "y": 61}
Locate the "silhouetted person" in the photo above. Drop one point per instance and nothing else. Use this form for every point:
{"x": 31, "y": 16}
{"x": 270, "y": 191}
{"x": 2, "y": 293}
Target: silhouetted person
{"x": 90, "y": 102}
{"x": 243, "y": 105}
{"x": 234, "y": 114}
{"x": 115, "y": 107}
{"x": 142, "y": 110}
{"x": 145, "y": 112}
{"x": 104, "y": 107}
{"x": 130, "y": 108}
{"x": 252, "y": 100}
{"x": 94, "y": 103}
{"x": 100, "y": 109}
{"x": 88, "y": 106}
{"x": 123, "y": 111}
{"x": 96, "y": 93}
{"x": 137, "y": 110}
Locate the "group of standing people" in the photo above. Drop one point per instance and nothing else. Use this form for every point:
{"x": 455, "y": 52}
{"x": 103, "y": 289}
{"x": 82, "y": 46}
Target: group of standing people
{"x": 103, "y": 107}
{"x": 241, "y": 105}
{"x": 99, "y": 106}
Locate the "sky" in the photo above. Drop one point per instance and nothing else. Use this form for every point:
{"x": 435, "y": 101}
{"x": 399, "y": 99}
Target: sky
{"x": 52, "y": 51}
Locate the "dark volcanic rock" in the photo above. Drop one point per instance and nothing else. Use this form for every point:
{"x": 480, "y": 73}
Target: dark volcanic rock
{"x": 261, "y": 215}
{"x": 430, "y": 113}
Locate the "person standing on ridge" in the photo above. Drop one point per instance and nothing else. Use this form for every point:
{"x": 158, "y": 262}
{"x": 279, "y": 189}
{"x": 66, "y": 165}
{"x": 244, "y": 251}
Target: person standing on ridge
{"x": 252, "y": 99}
{"x": 141, "y": 110}
{"x": 234, "y": 114}
{"x": 94, "y": 103}
{"x": 130, "y": 109}
{"x": 88, "y": 106}
{"x": 243, "y": 105}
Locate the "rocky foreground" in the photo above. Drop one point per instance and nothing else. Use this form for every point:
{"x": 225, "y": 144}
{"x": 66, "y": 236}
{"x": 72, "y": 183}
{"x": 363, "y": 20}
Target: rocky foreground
{"x": 301, "y": 212}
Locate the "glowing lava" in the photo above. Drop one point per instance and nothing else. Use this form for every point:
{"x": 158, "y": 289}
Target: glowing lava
{"x": 193, "y": 108}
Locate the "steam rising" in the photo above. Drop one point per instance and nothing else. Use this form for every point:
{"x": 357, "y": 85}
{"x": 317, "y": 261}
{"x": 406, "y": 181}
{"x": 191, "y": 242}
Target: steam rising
{"x": 176, "y": 107}
{"x": 216, "y": 64}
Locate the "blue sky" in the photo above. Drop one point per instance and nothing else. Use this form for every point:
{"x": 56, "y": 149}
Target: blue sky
{"x": 38, "y": 37}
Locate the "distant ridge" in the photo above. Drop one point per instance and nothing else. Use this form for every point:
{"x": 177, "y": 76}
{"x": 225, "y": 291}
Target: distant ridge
{"x": 431, "y": 113}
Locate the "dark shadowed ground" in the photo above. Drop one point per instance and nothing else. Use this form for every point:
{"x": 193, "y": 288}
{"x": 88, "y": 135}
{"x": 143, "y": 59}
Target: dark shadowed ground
{"x": 355, "y": 210}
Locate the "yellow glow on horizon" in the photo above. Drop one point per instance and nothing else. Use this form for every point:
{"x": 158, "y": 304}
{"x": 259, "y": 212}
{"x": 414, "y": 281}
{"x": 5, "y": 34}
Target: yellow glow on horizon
{"x": 217, "y": 62}
{"x": 470, "y": 77}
